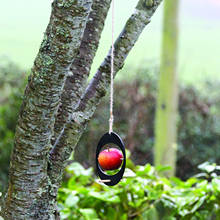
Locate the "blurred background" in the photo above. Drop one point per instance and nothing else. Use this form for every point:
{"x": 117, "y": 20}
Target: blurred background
{"x": 24, "y": 22}
{"x": 198, "y": 69}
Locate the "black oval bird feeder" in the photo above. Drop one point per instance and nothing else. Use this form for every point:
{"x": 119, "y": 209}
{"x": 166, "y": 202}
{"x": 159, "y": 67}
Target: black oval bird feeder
{"x": 110, "y": 138}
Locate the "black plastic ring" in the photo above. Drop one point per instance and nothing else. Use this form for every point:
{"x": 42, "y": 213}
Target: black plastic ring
{"x": 108, "y": 139}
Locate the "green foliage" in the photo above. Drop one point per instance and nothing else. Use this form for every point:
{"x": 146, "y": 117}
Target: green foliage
{"x": 12, "y": 89}
{"x": 143, "y": 195}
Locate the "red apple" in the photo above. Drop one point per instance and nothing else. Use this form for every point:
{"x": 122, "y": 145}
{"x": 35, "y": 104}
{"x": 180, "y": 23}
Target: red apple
{"x": 110, "y": 159}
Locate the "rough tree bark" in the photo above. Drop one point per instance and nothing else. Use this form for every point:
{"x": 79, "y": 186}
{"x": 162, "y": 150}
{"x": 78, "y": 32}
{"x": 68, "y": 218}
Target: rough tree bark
{"x": 57, "y": 105}
{"x": 166, "y": 113}
{"x": 29, "y": 195}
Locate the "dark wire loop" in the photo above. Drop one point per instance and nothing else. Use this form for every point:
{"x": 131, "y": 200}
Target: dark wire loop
{"x": 111, "y": 138}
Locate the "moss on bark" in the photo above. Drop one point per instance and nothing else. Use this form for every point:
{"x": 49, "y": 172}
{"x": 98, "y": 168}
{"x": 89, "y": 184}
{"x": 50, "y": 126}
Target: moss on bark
{"x": 29, "y": 194}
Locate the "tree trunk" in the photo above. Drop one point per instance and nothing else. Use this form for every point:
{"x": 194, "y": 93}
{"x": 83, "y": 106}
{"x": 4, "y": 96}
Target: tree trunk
{"x": 29, "y": 194}
{"x": 46, "y": 136}
{"x": 166, "y": 110}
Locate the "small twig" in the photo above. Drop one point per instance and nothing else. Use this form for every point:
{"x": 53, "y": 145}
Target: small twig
{"x": 108, "y": 180}
{"x": 104, "y": 181}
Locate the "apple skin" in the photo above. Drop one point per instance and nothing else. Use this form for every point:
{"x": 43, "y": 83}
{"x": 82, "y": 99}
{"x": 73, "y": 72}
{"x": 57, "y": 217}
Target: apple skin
{"x": 110, "y": 159}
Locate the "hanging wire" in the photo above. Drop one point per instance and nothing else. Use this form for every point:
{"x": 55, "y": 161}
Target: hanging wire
{"x": 111, "y": 119}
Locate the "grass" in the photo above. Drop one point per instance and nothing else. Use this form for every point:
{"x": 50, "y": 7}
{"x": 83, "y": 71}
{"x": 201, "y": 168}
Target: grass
{"x": 22, "y": 33}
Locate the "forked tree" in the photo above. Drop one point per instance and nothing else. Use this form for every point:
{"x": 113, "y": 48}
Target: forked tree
{"x": 58, "y": 103}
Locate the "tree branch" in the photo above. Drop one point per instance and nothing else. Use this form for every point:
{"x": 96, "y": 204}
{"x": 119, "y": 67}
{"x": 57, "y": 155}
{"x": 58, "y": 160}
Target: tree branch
{"x": 80, "y": 68}
{"x": 123, "y": 45}
{"x": 98, "y": 86}
{"x": 29, "y": 185}
{"x": 76, "y": 82}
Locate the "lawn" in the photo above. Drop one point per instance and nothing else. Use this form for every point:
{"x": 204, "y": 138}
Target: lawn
{"x": 22, "y": 31}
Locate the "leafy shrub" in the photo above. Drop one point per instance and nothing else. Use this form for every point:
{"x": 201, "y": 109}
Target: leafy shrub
{"x": 142, "y": 195}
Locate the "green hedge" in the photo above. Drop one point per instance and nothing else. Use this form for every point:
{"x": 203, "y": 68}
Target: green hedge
{"x": 12, "y": 83}
{"x": 143, "y": 195}
{"x": 134, "y": 107}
